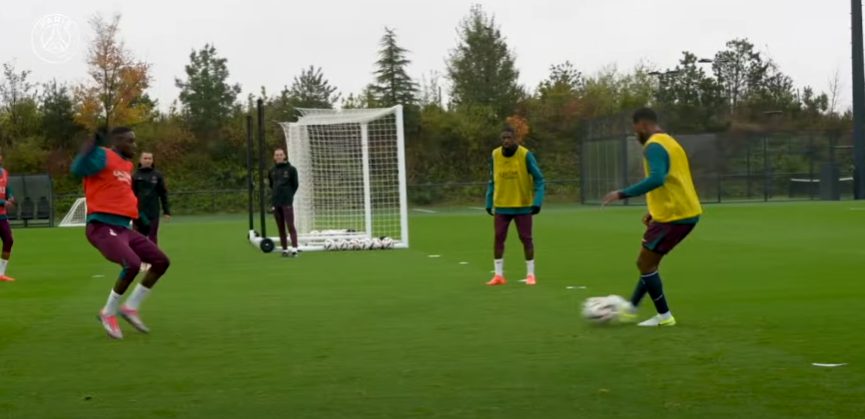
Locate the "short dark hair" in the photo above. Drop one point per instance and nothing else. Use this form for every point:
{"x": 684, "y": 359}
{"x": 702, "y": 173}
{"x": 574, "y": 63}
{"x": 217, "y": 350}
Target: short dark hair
{"x": 120, "y": 131}
{"x": 510, "y": 129}
{"x": 645, "y": 114}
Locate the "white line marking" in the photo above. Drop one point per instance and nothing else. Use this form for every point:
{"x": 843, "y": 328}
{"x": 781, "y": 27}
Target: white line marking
{"x": 464, "y": 263}
{"x": 425, "y": 211}
{"x": 576, "y": 287}
{"x": 477, "y": 208}
{"x": 857, "y": 209}
{"x": 818, "y": 364}
{"x": 98, "y": 276}
{"x": 434, "y": 256}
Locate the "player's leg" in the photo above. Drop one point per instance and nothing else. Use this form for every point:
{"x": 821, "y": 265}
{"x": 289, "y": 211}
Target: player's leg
{"x": 6, "y": 236}
{"x": 292, "y": 231}
{"x": 153, "y": 232}
{"x": 113, "y": 243}
{"x": 524, "y": 228}
{"x": 659, "y": 240}
{"x": 279, "y": 215}
{"x": 501, "y": 223}
{"x": 149, "y": 252}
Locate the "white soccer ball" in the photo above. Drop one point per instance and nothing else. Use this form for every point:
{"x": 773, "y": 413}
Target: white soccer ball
{"x": 387, "y": 243}
{"x": 365, "y": 244}
{"x": 354, "y": 244}
{"x": 375, "y": 244}
{"x": 342, "y": 244}
{"x": 329, "y": 244}
{"x": 603, "y": 309}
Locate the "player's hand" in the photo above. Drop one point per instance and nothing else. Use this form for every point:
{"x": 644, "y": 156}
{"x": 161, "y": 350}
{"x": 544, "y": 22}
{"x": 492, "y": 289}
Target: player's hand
{"x": 611, "y": 197}
{"x": 490, "y": 211}
{"x": 10, "y": 204}
{"x": 647, "y": 219}
{"x": 536, "y": 210}
{"x": 167, "y": 217}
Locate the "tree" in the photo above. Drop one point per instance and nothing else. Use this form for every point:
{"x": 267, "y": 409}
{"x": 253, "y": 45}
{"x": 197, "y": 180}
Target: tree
{"x": 690, "y": 99}
{"x": 392, "y": 86}
{"x": 113, "y": 95}
{"x": 311, "y": 90}
{"x": 206, "y": 95}
{"x": 739, "y": 69}
{"x": 58, "y": 117}
{"x": 481, "y": 68}
{"x": 17, "y": 102}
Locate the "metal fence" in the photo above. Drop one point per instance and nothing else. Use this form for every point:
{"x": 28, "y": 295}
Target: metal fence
{"x": 731, "y": 167}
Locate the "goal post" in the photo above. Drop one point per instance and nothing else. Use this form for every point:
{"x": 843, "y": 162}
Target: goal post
{"x": 76, "y": 216}
{"x": 352, "y": 176}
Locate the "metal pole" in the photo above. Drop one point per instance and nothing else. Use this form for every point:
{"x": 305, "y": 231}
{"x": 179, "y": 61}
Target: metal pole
{"x": 250, "y": 183}
{"x": 858, "y": 101}
{"x": 260, "y": 106}
{"x": 765, "y": 169}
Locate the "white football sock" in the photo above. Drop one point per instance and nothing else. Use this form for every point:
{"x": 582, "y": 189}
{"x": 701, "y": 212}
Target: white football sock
{"x": 666, "y": 316}
{"x": 3, "y": 264}
{"x": 500, "y": 266}
{"x": 530, "y": 267}
{"x": 112, "y": 303}
{"x": 138, "y": 295}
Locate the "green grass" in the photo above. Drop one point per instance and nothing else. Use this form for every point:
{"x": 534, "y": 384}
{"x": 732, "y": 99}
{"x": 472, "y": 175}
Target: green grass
{"x": 760, "y": 292}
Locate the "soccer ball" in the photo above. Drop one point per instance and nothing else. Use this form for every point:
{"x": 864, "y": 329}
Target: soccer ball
{"x": 365, "y": 244}
{"x": 603, "y": 309}
{"x": 375, "y": 244}
{"x": 329, "y": 244}
{"x": 341, "y": 244}
{"x": 354, "y": 244}
{"x": 387, "y": 243}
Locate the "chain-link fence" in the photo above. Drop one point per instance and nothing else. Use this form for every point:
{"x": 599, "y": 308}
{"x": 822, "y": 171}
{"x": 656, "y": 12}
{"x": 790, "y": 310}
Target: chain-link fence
{"x": 732, "y": 166}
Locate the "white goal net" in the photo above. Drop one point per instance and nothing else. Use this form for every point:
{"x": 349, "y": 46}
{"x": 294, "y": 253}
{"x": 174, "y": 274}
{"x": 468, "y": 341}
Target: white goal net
{"x": 76, "y": 216}
{"x": 351, "y": 168}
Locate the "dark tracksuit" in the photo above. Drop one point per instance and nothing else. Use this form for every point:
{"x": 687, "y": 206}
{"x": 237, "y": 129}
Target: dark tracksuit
{"x": 149, "y": 186}
{"x": 283, "y": 184}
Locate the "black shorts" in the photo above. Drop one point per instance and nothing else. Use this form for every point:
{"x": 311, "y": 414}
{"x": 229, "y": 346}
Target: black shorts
{"x": 662, "y": 238}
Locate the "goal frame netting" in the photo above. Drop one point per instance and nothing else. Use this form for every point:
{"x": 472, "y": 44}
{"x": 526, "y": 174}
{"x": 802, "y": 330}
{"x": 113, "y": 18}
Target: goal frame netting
{"x": 76, "y": 216}
{"x": 352, "y": 171}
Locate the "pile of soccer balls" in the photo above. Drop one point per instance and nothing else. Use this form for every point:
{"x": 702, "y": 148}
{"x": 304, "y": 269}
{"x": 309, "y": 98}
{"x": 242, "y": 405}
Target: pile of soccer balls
{"x": 359, "y": 244}
{"x": 604, "y": 309}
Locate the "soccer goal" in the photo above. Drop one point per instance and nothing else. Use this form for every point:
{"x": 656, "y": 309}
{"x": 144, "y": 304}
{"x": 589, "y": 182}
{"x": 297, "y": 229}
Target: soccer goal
{"x": 351, "y": 167}
{"x": 76, "y": 216}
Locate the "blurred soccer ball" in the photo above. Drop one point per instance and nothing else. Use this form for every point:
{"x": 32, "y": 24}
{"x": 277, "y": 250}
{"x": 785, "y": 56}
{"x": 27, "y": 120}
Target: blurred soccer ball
{"x": 329, "y": 244}
{"x": 603, "y": 309}
{"x": 365, "y": 244}
{"x": 342, "y": 244}
{"x": 387, "y": 243}
{"x": 354, "y": 244}
{"x": 375, "y": 244}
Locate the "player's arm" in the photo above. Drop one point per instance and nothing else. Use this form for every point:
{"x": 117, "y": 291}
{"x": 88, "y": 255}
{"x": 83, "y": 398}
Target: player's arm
{"x": 491, "y": 186}
{"x": 270, "y": 177}
{"x": 10, "y": 198}
{"x": 538, "y": 180}
{"x": 91, "y": 159}
{"x": 294, "y": 182}
{"x": 659, "y": 166}
{"x": 163, "y": 195}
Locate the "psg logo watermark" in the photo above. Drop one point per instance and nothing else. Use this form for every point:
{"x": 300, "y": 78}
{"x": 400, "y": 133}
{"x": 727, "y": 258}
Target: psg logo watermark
{"x": 55, "y": 38}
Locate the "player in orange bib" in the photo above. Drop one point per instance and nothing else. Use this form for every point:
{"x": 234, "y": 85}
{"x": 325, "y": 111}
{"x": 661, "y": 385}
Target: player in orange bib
{"x": 7, "y": 202}
{"x": 111, "y": 208}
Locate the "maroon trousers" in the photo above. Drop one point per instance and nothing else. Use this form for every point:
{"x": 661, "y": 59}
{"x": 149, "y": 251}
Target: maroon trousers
{"x": 524, "y": 229}
{"x": 127, "y": 248}
{"x": 285, "y": 221}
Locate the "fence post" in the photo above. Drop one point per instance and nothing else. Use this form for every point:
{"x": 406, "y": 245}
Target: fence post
{"x": 624, "y": 161}
{"x": 765, "y": 169}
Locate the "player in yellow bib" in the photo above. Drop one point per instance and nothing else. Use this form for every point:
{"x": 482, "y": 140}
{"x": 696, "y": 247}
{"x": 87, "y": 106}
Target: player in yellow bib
{"x": 674, "y": 210}
{"x": 515, "y": 193}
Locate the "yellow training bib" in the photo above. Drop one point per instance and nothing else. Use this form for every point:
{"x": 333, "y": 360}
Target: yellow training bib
{"x": 677, "y": 199}
{"x": 513, "y": 183}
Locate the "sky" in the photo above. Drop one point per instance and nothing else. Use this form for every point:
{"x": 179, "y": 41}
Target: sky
{"x": 268, "y": 42}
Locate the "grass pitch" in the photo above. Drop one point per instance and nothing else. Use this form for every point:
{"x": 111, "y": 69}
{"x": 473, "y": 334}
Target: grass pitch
{"x": 760, "y": 292}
